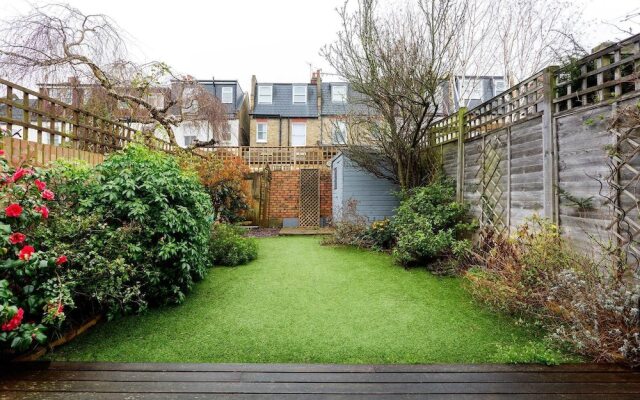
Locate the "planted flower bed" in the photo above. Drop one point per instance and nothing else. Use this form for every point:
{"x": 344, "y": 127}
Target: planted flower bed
{"x": 80, "y": 241}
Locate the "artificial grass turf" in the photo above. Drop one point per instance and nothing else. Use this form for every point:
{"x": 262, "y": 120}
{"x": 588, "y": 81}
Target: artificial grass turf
{"x": 302, "y": 302}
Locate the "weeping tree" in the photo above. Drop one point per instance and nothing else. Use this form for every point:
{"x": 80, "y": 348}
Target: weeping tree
{"x": 395, "y": 61}
{"x": 54, "y": 42}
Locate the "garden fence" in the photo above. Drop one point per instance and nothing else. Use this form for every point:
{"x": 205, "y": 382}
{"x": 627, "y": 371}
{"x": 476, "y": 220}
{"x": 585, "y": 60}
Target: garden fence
{"x": 546, "y": 146}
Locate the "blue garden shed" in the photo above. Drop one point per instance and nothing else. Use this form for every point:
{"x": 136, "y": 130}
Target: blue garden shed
{"x": 375, "y": 197}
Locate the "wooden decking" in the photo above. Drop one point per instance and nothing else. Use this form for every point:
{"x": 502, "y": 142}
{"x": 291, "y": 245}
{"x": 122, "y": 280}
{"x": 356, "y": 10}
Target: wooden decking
{"x": 59, "y": 380}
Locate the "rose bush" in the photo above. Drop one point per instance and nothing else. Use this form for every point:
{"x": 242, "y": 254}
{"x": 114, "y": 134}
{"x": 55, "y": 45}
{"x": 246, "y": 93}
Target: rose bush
{"x": 33, "y": 292}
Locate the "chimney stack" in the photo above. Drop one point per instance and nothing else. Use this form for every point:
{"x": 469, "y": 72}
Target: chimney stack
{"x": 254, "y": 89}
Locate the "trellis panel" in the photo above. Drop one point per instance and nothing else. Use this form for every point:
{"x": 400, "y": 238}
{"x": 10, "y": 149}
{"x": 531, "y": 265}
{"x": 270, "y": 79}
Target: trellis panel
{"x": 309, "y": 198}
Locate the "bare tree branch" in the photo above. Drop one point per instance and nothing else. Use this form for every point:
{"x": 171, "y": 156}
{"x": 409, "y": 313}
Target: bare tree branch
{"x": 57, "y": 41}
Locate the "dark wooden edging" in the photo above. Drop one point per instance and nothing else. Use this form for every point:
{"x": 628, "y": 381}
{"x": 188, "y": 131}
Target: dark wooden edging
{"x": 70, "y": 335}
{"x": 78, "y": 380}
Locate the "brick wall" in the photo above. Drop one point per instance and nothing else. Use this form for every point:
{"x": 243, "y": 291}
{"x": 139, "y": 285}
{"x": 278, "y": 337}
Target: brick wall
{"x": 284, "y": 194}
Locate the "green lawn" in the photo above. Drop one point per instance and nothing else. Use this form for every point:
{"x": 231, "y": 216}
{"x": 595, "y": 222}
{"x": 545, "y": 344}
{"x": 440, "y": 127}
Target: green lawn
{"x": 302, "y": 302}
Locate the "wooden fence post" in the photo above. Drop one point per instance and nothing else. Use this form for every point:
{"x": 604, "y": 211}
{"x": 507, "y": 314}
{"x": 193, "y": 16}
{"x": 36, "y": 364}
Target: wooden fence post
{"x": 549, "y": 165}
{"x": 460, "y": 164}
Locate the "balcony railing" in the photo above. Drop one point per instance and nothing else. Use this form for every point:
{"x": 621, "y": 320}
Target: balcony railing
{"x": 279, "y": 156}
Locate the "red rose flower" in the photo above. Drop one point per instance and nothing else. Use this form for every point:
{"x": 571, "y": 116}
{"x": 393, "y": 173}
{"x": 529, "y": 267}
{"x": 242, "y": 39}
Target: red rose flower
{"x": 26, "y": 252}
{"x": 47, "y": 194}
{"x": 60, "y": 309}
{"x": 13, "y": 210}
{"x": 43, "y": 210}
{"x": 1, "y": 153}
{"x": 14, "y": 322}
{"x": 20, "y": 172}
{"x": 41, "y": 185}
{"x": 61, "y": 260}
{"x": 17, "y": 237}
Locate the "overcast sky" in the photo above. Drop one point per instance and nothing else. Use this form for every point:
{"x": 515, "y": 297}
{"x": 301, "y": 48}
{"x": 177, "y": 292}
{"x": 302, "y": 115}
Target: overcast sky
{"x": 277, "y": 40}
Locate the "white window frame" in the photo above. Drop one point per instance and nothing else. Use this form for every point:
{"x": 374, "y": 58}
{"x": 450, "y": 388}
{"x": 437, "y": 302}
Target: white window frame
{"x": 294, "y": 95}
{"x": 266, "y": 131}
{"x": 338, "y": 98}
{"x": 495, "y": 86}
{"x": 261, "y": 95}
{"x": 305, "y": 133}
{"x": 227, "y": 91}
{"x": 472, "y": 89}
{"x": 192, "y": 138}
{"x": 339, "y": 126}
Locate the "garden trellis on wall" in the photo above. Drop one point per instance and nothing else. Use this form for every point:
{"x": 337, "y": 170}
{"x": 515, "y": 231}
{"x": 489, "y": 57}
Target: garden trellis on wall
{"x": 544, "y": 146}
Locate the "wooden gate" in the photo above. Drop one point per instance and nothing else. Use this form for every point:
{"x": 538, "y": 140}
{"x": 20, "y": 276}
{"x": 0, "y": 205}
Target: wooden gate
{"x": 309, "y": 197}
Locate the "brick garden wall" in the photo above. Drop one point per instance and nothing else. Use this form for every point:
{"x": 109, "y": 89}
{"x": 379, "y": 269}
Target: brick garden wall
{"x": 284, "y": 194}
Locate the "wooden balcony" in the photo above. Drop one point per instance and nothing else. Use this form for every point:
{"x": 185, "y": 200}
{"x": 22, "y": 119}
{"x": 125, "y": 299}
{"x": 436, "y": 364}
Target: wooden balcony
{"x": 279, "y": 157}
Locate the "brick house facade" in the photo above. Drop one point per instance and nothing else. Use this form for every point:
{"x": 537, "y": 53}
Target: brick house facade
{"x": 298, "y": 114}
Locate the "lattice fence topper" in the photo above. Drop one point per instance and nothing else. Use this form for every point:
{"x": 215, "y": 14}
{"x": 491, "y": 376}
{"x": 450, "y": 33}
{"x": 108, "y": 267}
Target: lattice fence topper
{"x": 309, "y": 197}
{"x": 624, "y": 180}
{"x": 492, "y": 208}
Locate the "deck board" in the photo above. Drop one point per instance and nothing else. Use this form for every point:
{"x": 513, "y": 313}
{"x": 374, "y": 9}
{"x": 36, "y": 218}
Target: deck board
{"x": 76, "y": 380}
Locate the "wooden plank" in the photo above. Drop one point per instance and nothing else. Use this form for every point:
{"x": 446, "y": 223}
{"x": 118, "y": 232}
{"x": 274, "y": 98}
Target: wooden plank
{"x": 356, "y": 368}
{"x": 338, "y": 388}
{"x": 320, "y": 377}
{"x": 262, "y": 396}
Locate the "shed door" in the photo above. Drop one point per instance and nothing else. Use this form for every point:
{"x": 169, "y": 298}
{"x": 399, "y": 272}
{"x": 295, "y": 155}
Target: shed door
{"x": 298, "y": 134}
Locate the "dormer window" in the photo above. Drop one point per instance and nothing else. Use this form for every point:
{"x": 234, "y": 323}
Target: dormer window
{"x": 299, "y": 94}
{"x": 339, "y": 94}
{"x": 498, "y": 86}
{"x": 227, "y": 95}
{"x": 265, "y": 94}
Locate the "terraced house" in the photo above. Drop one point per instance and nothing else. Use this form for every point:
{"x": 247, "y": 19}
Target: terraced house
{"x": 235, "y": 101}
{"x": 298, "y": 114}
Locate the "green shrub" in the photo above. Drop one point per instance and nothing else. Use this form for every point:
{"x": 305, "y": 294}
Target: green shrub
{"x": 430, "y": 225}
{"x": 228, "y": 246}
{"x": 147, "y": 191}
{"x": 380, "y": 235}
{"x": 101, "y": 276}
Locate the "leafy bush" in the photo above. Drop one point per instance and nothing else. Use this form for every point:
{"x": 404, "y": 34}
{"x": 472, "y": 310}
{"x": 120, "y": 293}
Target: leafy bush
{"x": 102, "y": 279}
{"x": 589, "y": 304}
{"x": 224, "y": 180}
{"x": 146, "y": 191}
{"x": 352, "y": 228}
{"x": 380, "y": 235}
{"x": 31, "y": 286}
{"x": 228, "y": 246}
{"x": 430, "y": 225}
